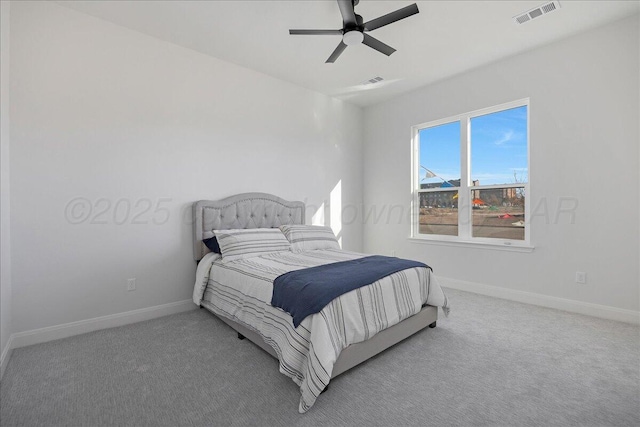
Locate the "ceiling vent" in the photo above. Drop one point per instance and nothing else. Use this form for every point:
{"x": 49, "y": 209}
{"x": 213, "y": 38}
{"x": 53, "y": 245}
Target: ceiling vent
{"x": 537, "y": 12}
{"x": 372, "y": 81}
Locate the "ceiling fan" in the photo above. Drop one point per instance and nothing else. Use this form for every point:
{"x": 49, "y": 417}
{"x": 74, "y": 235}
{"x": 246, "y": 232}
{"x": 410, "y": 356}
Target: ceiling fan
{"x": 353, "y": 29}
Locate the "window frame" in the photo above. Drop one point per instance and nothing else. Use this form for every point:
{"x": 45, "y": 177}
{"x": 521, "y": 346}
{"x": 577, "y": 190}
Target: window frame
{"x": 465, "y": 211}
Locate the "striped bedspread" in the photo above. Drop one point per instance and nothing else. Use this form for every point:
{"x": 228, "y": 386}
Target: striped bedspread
{"x": 241, "y": 290}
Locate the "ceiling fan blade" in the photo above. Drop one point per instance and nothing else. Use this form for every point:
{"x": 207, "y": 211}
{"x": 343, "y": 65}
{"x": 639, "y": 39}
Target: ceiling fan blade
{"x": 315, "y": 32}
{"x": 377, "y": 45}
{"x": 336, "y": 53}
{"x": 389, "y": 18}
{"x": 347, "y": 12}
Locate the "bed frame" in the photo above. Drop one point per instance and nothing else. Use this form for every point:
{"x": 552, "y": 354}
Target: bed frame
{"x": 261, "y": 210}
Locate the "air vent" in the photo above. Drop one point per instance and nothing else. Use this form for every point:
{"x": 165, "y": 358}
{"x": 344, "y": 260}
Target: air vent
{"x": 537, "y": 12}
{"x": 372, "y": 81}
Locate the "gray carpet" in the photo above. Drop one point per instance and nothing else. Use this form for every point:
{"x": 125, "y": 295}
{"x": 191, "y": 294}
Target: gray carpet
{"x": 492, "y": 362}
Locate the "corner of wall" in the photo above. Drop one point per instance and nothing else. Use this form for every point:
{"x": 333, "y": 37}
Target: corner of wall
{"x": 5, "y": 239}
{"x": 6, "y": 356}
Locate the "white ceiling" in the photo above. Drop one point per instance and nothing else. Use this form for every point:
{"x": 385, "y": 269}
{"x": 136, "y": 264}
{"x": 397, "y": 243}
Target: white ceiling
{"x": 445, "y": 38}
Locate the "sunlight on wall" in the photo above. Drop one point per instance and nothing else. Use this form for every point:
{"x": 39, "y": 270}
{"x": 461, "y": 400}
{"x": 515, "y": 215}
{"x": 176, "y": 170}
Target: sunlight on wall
{"x": 318, "y": 217}
{"x": 335, "y": 210}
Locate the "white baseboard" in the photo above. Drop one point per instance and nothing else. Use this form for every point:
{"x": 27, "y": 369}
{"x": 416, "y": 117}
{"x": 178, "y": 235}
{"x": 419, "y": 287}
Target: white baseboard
{"x": 602, "y": 311}
{"x": 6, "y": 355}
{"x": 50, "y": 333}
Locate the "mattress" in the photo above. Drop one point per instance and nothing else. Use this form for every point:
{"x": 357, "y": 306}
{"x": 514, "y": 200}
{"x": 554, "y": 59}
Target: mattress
{"x": 241, "y": 290}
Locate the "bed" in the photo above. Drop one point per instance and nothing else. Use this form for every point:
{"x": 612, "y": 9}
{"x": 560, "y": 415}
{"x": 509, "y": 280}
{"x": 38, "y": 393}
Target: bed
{"x": 351, "y": 329}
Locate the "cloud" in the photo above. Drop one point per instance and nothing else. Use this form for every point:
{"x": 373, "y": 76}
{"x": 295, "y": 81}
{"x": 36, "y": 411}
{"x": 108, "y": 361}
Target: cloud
{"x": 506, "y": 137}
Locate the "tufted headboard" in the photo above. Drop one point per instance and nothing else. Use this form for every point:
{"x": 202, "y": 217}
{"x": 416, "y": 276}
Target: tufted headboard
{"x": 248, "y": 210}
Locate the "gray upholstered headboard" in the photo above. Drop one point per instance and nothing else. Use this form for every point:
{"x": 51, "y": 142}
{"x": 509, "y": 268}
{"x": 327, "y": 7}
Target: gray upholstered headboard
{"x": 248, "y": 210}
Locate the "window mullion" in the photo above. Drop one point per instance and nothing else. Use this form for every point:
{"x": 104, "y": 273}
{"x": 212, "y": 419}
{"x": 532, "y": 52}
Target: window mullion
{"x": 415, "y": 182}
{"x": 464, "y": 200}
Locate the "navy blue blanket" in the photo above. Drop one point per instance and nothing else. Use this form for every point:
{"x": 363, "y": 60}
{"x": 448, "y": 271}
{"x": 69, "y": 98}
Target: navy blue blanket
{"x": 307, "y": 291}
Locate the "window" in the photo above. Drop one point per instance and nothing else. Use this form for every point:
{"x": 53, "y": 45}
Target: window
{"x": 471, "y": 177}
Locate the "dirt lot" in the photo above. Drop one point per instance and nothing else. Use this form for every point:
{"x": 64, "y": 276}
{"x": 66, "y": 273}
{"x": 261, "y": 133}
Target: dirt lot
{"x": 495, "y": 222}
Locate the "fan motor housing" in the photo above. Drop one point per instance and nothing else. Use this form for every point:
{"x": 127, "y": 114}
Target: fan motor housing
{"x": 352, "y": 37}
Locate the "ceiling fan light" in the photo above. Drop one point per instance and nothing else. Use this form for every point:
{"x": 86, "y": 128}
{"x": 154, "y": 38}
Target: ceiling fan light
{"x": 352, "y": 37}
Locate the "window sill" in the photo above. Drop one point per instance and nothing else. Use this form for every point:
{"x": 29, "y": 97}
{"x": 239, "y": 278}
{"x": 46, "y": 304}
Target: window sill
{"x": 514, "y": 247}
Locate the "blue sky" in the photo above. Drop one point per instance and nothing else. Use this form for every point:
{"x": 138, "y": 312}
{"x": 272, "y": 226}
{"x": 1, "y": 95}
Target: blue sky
{"x": 498, "y": 149}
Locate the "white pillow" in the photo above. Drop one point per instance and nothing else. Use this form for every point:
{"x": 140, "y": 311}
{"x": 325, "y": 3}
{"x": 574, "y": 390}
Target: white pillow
{"x": 251, "y": 242}
{"x": 310, "y": 237}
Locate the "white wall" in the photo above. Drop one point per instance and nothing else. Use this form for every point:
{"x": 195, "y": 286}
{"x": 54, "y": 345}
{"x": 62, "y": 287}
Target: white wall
{"x": 104, "y": 113}
{"x": 5, "y": 246}
{"x": 584, "y": 145}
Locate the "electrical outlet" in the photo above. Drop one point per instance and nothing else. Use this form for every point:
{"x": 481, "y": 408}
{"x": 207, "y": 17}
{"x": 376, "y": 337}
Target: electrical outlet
{"x": 131, "y": 284}
{"x": 581, "y": 277}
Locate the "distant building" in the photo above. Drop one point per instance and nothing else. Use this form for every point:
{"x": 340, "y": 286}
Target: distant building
{"x": 442, "y": 199}
{"x": 448, "y": 199}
